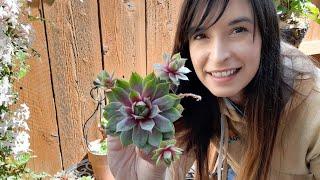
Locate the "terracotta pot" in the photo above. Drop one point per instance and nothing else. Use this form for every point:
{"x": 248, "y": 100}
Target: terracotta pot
{"x": 100, "y": 166}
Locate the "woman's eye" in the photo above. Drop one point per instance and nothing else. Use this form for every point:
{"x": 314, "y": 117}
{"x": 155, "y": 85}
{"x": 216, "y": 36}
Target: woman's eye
{"x": 199, "y": 36}
{"x": 239, "y": 30}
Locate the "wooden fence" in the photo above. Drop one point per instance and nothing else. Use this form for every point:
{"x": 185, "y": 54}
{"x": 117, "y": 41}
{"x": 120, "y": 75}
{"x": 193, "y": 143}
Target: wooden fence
{"x": 76, "y": 41}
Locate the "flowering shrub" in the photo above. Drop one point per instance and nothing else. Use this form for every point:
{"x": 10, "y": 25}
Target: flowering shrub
{"x": 15, "y": 41}
{"x": 141, "y": 111}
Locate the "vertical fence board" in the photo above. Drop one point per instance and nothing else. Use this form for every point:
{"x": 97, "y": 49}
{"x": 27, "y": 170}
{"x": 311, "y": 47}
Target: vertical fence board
{"x": 123, "y": 36}
{"x": 36, "y": 91}
{"x": 162, "y": 17}
{"x": 313, "y": 32}
{"x": 75, "y": 55}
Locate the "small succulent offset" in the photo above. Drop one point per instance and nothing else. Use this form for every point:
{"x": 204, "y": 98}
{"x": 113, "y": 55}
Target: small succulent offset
{"x": 167, "y": 152}
{"x": 173, "y": 69}
{"x": 142, "y": 110}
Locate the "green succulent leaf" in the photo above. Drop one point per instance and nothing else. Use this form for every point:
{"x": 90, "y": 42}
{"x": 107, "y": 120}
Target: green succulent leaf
{"x": 149, "y": 89}
{"x": 166, "y": 102}
{"x": 155, "y": 138}
{"x": 149, "y": 77}
{"x": 111, "y": 108}
{"x": 168, "y": 135}
{"x": 124, "y": 85}
{"x": 111, "y": 97}
{"x": 121, "y": 95}
{"x": 172, "y": 114}
{"x": 139, "y": 137}
{"x": 161, "y": 90}
{"x": 163, "y": 124}
{"x": 136, "y": 82}
{"x": 126, "y": 124}
{"x": 154, "y": 111}
{"x": 147, "y": 125}
{"x": 134, "y": 96}
{"x": 126, "y": 137}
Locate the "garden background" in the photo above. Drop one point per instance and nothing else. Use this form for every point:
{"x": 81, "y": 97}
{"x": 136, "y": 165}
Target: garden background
{"x": 77, "y": 40}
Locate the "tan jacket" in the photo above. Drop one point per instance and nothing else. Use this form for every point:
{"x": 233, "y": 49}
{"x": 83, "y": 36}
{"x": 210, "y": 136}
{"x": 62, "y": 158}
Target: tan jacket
{"x": 296, "y": 153}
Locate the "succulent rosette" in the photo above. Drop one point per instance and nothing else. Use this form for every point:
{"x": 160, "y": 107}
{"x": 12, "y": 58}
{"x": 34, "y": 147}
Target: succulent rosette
{"x": 173, "y": 70}
{"x": 167, "y": 152}
{"x": 104, "y": 80}
{"x": 142, "y": 111}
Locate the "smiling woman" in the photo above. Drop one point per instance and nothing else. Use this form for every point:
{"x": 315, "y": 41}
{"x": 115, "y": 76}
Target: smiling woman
{"x": 260, "y": 100}
{"x": 226, "y": 56}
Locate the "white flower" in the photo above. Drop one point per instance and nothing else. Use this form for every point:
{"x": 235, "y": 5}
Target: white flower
{"x": 21, "y": 143}
{"x": 5, "y": 92}
{"x": 3, "y": 128}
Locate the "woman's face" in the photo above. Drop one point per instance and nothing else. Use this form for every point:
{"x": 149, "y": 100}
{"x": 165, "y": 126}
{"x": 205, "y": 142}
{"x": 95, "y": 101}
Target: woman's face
{"x": 226, "y": 56}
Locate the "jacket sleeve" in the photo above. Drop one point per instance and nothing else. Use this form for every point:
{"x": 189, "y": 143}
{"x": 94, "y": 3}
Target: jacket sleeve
{"x": 125, "y": 163}
{"x": 313, "y": 155}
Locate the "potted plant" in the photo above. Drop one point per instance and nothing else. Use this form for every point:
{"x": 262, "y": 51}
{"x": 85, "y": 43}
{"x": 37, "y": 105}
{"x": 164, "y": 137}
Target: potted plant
{"x": 97, "y": 149}
{"x": 294, "y": 16}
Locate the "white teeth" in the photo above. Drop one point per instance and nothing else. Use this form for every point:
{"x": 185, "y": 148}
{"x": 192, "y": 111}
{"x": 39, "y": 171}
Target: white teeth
{"x": 224, "y": 73}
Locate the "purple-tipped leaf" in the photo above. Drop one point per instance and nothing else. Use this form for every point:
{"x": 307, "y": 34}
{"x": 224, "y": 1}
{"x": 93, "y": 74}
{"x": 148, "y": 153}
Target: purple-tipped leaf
{"x": 165, "y": 102}
{"x": 149, "y": 89}
{"x": 147, "y": 124}
{"x": 161, "y": 90}
{"x": 136, "y": 82}
{"x": 134, "y": 96}
{"x": 121, "y": 95}
{"x": 123, "y": 84}
{"x": 172, "y": 114}
{"x": 126, "y": 124}
{"x": 163, "y": 124}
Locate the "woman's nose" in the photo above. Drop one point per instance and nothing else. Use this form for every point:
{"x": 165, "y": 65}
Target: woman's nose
{"x": 218, "y": 51}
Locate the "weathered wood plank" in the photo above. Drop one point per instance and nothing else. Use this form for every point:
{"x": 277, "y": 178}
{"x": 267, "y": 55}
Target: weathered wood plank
{"x": 123, "y": 36}
{"x": 36, "y": 91}
{"x": 75, "y": 56}
{"x": 162, "y": 17}
{"x": 313, "y": 32}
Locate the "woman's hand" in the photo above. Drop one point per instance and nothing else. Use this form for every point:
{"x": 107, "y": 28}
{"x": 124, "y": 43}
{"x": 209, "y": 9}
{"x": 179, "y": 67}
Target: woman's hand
{"x": 131, "y": 163}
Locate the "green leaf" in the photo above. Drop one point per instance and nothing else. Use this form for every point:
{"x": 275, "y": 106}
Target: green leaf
{"x": 126, "y": 124}
{"x": 126, "y": 137}
{"x": 163, "y": 124}
{"x": 121, "y": 95}
{"x": 147, "y": 125}
{"x": 21, "y": 56}
{"x": 148, "y": 78}
{"x": 155, "y": 138}
{"x": 136, "y": 82}
{"x": 134, "y": 96}
{"x": 165, "y": 102}
{"x": 161, "y": 90}
{"x": 149, "y": 89}
{"x": 22, "y": 72}
{"x": 172, "y": 114}
{"x": 139, "y": 137}
{"x": 123, "y": 84}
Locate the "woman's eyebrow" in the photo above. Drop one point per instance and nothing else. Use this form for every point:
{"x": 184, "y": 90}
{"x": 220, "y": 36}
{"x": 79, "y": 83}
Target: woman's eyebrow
{"x": 239, "y": 20}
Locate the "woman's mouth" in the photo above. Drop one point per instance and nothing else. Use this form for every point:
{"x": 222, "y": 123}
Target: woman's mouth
{"x": 224, "y": 75}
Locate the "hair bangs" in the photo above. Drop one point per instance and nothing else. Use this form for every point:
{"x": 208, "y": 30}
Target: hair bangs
{"x": 205, "y": 14}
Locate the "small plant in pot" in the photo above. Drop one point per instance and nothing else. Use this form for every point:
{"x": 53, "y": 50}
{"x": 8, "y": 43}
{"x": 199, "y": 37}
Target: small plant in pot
{"x": 97, "y": 149}
{"x": 294, "y": 16}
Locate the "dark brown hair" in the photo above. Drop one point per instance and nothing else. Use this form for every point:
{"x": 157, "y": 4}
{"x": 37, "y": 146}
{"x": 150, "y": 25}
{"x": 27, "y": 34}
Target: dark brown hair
{"x": 264, "y": 99}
